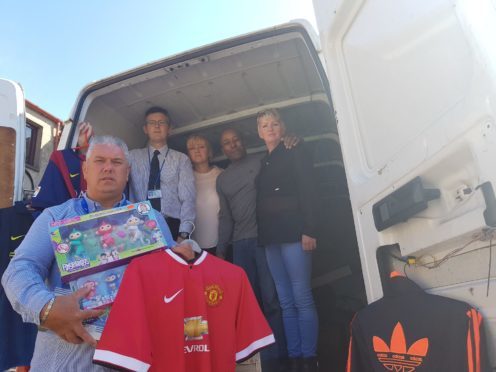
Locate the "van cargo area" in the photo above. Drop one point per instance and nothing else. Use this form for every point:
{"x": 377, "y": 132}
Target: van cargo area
{"x": 419, "y": 136}
{"x": 225, "y": 85}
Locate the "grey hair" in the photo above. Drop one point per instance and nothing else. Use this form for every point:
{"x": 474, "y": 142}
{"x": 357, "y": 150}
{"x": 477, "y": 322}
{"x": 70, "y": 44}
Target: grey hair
{"x": 269, "y": 112}
{"x": 108, "y": 140}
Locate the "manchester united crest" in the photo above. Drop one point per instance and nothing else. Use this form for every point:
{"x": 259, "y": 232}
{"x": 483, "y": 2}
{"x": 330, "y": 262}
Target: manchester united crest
{"x": 213, "y": 294}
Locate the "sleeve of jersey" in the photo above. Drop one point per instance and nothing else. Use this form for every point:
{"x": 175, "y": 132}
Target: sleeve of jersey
{"x": 252, "y": 330}
{"x": 125, "y": 342}
{"x": 51, "y": 189}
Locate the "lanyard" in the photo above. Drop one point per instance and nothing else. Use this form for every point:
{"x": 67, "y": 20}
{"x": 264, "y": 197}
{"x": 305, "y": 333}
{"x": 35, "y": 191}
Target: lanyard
{"x": 160, "y": 170}
{"x": 84, "y": 205}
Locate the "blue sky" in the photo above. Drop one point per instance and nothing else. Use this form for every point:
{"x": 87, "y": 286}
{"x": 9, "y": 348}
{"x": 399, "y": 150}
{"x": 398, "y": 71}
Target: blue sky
{"x": 53, "y": 48}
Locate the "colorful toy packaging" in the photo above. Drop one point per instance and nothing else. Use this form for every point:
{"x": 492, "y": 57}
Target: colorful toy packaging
{"x": 104, "y": 286}
{"x": 100, "y": 241}
{"x": 93, "y": 251}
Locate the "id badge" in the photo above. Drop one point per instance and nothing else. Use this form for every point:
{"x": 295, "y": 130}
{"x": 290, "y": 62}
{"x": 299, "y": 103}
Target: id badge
{"x": 154, "y": 194}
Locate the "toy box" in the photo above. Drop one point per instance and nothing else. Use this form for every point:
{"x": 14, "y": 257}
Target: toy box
{"x": 94, "y": 242}
{"x": 104, "y": 286}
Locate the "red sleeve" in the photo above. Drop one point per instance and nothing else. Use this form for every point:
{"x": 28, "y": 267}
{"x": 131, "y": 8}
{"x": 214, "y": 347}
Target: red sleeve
{"x": 125, "y": 341}
{"x": 252, "y": 330}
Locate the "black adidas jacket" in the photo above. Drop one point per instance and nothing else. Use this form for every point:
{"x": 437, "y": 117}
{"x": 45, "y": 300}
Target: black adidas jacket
{"x": 409, "y": 330}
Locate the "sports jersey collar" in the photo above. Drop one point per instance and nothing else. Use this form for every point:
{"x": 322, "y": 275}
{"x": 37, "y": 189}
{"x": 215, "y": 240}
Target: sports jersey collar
{"x": 95, "y": 206}
{"x": 176, "y": 257}
{"x": 401, "y": 286}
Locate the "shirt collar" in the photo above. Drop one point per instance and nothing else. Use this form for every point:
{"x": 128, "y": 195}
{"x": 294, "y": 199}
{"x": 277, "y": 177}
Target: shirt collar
{"x": 95, "y": 206}
{"x": 162, "y": 150}
{"x": 401, "y": 286}
{"x": 280, "y": 147}
{"x": 179, "y": 259}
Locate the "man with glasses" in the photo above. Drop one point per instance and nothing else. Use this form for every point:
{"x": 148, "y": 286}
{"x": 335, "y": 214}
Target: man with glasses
{"x": 163, "y": 176}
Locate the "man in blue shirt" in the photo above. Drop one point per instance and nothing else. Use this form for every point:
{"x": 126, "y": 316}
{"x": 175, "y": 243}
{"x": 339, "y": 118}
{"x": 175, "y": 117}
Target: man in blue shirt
{"x": 32, "y": 275}
{"x": 163, "y": 176}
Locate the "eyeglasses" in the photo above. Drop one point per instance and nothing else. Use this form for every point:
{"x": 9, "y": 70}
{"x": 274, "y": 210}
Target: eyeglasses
{"x": 155, "y": 123}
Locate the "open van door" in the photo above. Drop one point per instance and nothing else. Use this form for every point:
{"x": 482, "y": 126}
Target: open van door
{"x": 414, "y": 89}
{"x": 12, "y": 142}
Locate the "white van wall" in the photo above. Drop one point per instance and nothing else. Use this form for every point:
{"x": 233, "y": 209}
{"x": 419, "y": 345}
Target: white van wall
{"x": 414, "y": 88}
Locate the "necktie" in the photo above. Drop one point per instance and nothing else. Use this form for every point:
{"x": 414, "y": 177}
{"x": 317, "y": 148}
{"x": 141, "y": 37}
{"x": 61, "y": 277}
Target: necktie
{"x": 154, "y": 180}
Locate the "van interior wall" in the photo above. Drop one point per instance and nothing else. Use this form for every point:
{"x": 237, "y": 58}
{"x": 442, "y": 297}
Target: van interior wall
{"x": 108, "y": 120}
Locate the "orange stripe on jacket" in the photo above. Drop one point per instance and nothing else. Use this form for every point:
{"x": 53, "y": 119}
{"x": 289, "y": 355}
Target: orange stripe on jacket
{"x": 470, "y": 356}
{"x": 475, "y": 325}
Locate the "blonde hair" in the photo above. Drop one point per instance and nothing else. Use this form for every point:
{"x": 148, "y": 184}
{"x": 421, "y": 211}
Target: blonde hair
{"x": 198, "y": 137}
{"x": 269, "y": 112}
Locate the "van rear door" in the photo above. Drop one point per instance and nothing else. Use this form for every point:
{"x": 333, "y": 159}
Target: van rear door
{"x": 12, "y": 142}
{"x": 413, "y": 86}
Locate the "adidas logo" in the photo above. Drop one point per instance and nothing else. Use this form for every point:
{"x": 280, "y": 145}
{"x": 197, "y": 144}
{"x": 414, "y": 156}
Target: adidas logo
{"x": 397, "y": 357}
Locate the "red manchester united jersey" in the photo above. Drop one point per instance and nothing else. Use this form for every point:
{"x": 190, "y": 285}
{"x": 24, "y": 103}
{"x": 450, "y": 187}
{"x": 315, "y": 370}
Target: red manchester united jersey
{"x": 173, "y": 316}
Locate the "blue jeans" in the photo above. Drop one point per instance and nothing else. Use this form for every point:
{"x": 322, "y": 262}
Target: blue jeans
{"x": 291, "y": 268}
{"x": 251, "y": 257}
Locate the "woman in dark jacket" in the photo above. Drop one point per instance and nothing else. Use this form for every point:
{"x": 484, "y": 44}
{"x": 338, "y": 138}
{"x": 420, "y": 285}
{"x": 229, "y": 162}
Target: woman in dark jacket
{"x": 286, "y": 228}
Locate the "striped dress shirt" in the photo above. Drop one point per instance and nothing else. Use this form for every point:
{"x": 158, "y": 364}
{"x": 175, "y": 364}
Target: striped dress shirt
{"x": 177, "y": 183}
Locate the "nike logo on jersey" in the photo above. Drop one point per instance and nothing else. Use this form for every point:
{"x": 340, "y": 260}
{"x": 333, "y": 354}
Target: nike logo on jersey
{"x": 169, "y": 299}
{"x": 72, "y": 175}
{"x": 16, "y": 237}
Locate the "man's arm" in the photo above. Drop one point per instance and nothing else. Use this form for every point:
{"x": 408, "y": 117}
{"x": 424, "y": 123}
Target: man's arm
{"x": 85, "y": 134}
{"x": 134, "y": 195}
{"x": 24, "y": 284}
{"x": 164, "y": 229}
{"x": 23, "y": 280}
{"x": 184, "y": 250}
{"x": 226, "y": 222}
{"x": 307, "y": 194}
{"x": 187, "y": 194}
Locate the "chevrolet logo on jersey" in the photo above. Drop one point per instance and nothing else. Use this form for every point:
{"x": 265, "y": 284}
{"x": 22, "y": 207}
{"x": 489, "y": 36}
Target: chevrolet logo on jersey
{"x": 195, "y": 328}
{"x": 397, "y": 357}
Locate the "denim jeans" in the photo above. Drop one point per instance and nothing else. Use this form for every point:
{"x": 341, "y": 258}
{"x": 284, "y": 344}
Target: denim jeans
{"x": 251, "y": 257}
{"x": 291, "y": 268}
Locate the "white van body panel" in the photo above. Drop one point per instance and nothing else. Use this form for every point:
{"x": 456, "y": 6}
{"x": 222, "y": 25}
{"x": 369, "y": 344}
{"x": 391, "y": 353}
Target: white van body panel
{"x": 414, "y": 88}
{"x": 12, "y": 115}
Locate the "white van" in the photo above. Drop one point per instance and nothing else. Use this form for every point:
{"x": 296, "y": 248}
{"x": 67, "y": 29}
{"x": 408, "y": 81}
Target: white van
{"x": 397, "y": 100}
